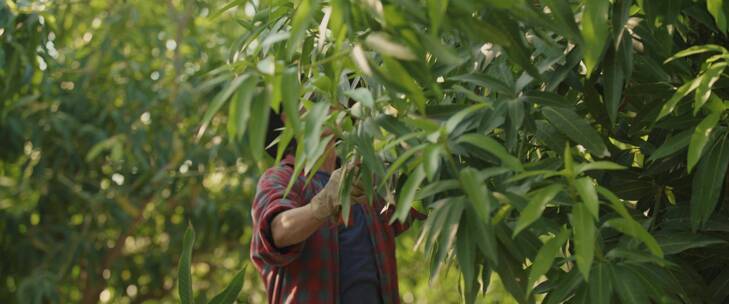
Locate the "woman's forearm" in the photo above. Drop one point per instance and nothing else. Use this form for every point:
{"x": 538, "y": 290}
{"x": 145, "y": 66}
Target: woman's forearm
{"x": 293, "y": 226}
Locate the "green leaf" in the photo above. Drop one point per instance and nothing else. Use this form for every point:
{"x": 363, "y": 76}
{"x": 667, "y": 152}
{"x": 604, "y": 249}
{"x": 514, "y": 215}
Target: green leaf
{"x": 260, "y": 109}
{"x": 239, "y": 110}
{"x": 361, "y": 95}
{"x": 476, "y": 192}
{"x": 230, "y": 293}
{"x": 597, "y": 165}
{"x": 537, "y": 203}
{"x": 700, "y": 138}
{"x": 708, "y": 78}
{"x": 436, "y": 12}
{"x": 401, "y": 160}
{"x": 633, "y": 229}
{"x": 483, "y": 235}
{"x": 627, "y": 286}
{"x": 466, "y": 256}
{"x": 486, "y": 81}
{"x": 587, "y": 192}
{"x": 615, "y": 202}
{"x": 717, "y": 10}
{"x": 577, "y": 129}
{"x": 383, "y": 44}
{"x": 313, "y": 143}
{"x": 672, "y": 145}
{"x": 583, "y": 227}
{"x": 457, "y": 118}
{"x": 431, "y": 160}
{"x": 614, "y": 80}
{"x": 492, "y": 146}
{"x": 437, "y": 187}
{"x": 302, "y": 18}
{"x": 681, "y": 92}
{"x": 595, "y": 31}
{"x": 184, "y": 272}
{"x": 601, "y": 287}
{"x": 545, "y": 257}
{"x": 676, "y": 242}
{"x": 708, "y": 181}
{"x": 407, "y": 193}
{"x": 290, "y": 92}
{"x": 696, "y": 49}
{"x": 564, "y": 16}
{"x": 218, "y": 102}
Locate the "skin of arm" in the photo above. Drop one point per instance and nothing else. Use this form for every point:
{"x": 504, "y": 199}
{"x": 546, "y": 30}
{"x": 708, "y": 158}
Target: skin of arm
{"x": 294, "y": 226}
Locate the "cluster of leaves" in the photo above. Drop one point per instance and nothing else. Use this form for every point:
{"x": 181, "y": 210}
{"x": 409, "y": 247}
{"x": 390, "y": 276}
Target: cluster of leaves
{"x": 550, "y": 140}
{"x": 99, "y": 167}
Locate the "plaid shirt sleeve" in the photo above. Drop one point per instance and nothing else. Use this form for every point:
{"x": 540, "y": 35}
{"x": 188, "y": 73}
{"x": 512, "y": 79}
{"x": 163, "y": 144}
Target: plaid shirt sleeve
{"x": 268, "y": 203}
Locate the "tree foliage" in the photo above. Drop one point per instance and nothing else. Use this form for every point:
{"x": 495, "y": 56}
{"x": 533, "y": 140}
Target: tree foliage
{"x": 578, "y": 149}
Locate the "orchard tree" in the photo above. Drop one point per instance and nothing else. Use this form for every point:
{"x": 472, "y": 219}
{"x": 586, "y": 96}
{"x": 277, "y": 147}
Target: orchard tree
{"x": 577, "y": 149}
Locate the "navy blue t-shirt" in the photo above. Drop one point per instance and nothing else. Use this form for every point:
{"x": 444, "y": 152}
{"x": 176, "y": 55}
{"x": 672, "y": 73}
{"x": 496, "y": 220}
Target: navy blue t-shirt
{"x": 358, "y": 279}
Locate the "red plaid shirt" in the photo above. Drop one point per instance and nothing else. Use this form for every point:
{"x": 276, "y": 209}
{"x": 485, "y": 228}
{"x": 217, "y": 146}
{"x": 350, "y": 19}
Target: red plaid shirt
{"x": 308, "y": 272}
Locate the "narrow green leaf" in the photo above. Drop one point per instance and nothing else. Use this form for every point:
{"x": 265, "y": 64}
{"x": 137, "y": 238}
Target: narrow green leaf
{"x": 597, "y": 165}
{"x": 476, "y": 192}
{"x": 696, "y": 49}
{"x": 613, "y": 84}
{"x": 437, "y": 187}
{"x": 700, "y": 138}
{"x": 487, "y": 81}
{"x": 407, "y": 193}
{"x": 483, "y": 235}
{"x": 708, "y": 78}
{"x": 681, "y": 92}
{"x": 457, "y": 118}
{"x": 431, "y": 160}
{"x": 615, "y": 202}
{"x": 383, "y": 44}
{"x": 362, "y": 95}
{"x": 184, "y": 272}
{"x": 260, "y": 109}
{"x": 290, "y": 90}
{"x": 583, "y": 227}
{"x": 466, "y": 256}
{"x": 545, "y": 257}
{"x": 564, "y": 16}
{"x": 577, "y": 129}
{"x": 633, "y": 229}
{"x": 595, "y": 30}
{"x": 239, "y": 109}
{"x": 672, "y": 145}
{"x": 676, "y": 242}
{"x": 230, "y": 293}
{"x": 436, "y": 12}
{"x": 492, "y": 146}
{"x": 627, "y": 286}
{"x": 303, "y": 17}
{"x": 587, "y": 192}
{"x": 537, "y": 203}
{"x": 708, "y": 181}
{"x": 718, "y": 10}
{"x": 601, "y": 287}
{"x": 218, "y": 102}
